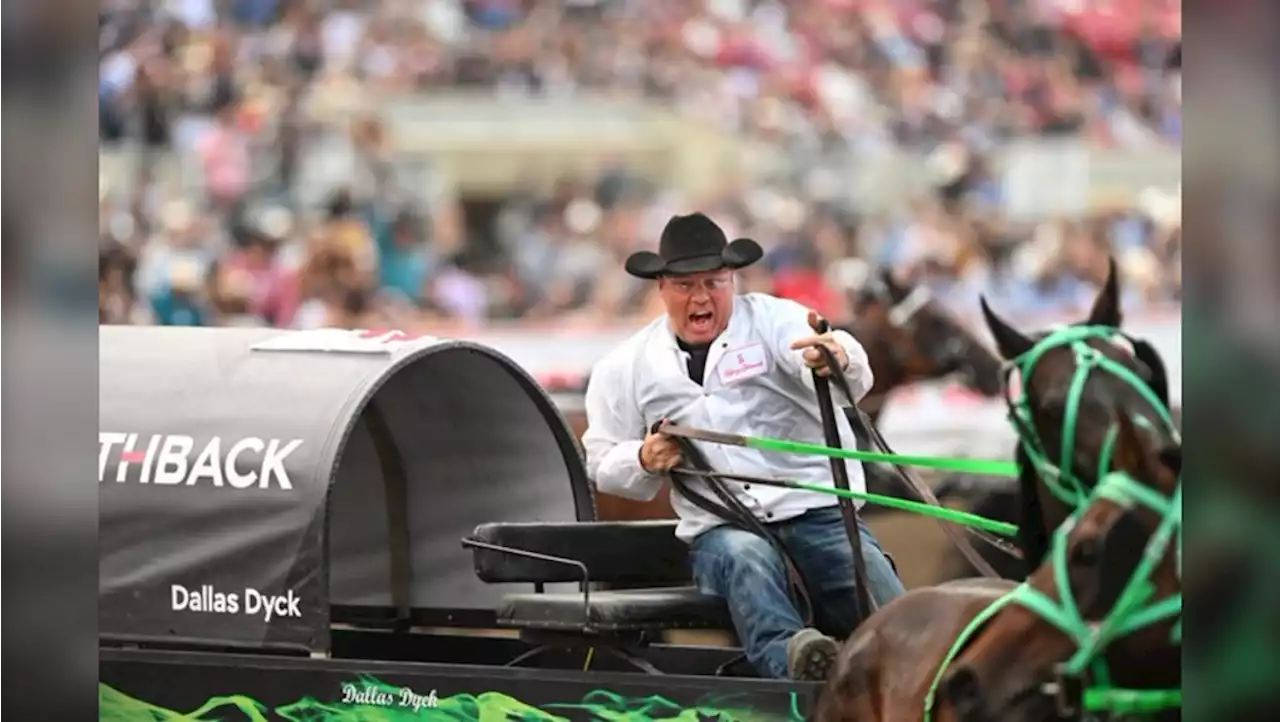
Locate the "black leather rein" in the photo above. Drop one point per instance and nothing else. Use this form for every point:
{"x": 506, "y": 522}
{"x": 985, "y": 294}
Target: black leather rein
{"x": 732, "y": 511}
{"x": 839, "y": 470}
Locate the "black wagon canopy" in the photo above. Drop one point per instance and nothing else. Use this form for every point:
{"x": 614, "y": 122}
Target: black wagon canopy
{"x": 250, "y": 480}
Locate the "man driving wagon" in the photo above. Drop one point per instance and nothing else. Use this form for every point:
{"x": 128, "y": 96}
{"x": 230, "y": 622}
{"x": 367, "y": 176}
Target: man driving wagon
{"x": 740, "y": 364}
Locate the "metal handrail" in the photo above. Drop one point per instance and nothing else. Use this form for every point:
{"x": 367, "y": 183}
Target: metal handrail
{"x": 470, "y": 543}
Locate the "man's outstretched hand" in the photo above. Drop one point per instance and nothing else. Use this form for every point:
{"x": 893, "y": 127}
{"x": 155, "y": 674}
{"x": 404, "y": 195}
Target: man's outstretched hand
{"x": 812, "y": 356}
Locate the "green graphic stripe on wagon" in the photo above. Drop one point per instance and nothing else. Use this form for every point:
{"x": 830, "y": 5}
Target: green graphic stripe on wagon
{"x": 115, "y": 706}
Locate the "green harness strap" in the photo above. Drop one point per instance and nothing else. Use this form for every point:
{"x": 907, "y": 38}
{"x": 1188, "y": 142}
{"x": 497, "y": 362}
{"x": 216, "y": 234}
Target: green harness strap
{"x": 1131, "y": 611}
{"x": 1059, "y": 477}
{"x": 983, "y": 617}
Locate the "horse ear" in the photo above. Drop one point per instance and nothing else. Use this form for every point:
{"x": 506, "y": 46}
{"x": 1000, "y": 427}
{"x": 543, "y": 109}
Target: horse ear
{"x": 1010, "y": 342}
{"x": 896, "y": 291}
{"x": 1171, "y": 457}
{"x": 1128, "y": 453}
{"x": 1106, "y": 307}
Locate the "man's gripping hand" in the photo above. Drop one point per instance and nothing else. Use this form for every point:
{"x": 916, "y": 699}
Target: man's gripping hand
{"x": 813, "y": 358}
{"x": 660, "y": 453}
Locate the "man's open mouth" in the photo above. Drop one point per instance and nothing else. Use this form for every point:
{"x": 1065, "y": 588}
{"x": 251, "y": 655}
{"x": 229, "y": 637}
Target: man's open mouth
{"x": 701, "y": 320}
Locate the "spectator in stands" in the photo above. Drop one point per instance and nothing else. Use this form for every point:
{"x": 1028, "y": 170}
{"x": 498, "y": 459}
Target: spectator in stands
{"x": 347, "y": 227}
{"x": 230, "y": 297}
{"x": 257, "y": 275}
{"x": 182, "y": 248}
{"x": 181, "y": 301}
{"x": 832, "y": 85}
{"x": 404, "y": 258}
{"x": 459, "y": 292}
{"x": 117, "y": 301}
{"x": 330, "y": 283}
{"x": 804, "y": 281}
{"x": 225, "y": 156}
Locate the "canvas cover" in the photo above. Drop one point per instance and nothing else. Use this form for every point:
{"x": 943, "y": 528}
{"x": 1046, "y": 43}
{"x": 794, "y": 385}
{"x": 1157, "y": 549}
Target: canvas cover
{"x": 241, "y": 493}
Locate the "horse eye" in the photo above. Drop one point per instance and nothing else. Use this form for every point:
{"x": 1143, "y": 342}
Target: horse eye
{"x": 1086, "y": 552}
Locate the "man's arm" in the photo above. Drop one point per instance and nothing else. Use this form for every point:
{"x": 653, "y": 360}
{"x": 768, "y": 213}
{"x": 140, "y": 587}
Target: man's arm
{"x": 615, "y": 434}
{"x": 791, "y": 323}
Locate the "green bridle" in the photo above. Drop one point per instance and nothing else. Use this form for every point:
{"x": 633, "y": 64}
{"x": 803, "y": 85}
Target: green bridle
{"x": 1059, "y": 477}
{"x": 1133, "y": 609}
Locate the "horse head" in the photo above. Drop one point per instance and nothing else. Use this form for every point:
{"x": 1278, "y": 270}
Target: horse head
{"x": 1109, "y": 595}
{"x": 918, "y": 340}
{"x": 1076, "y": 382}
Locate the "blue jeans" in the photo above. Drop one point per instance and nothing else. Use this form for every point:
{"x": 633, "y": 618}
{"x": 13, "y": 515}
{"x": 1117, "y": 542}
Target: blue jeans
{"x": 747, "y": 571}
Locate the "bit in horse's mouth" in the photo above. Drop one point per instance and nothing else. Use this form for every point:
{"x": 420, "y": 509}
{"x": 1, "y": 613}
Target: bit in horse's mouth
{"x": 1033, "y": 702}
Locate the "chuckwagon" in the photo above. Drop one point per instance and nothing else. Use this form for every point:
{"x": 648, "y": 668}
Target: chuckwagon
{"x": 347, "y": 525}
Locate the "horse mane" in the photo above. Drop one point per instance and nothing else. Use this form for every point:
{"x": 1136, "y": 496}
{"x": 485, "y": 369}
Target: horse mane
{"x": 1148, "y": 355}
{"x": 1033, "y": 533}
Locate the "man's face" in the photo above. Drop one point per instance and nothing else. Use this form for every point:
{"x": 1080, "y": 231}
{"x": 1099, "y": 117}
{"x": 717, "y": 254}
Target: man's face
{"x": 699, "y": 304}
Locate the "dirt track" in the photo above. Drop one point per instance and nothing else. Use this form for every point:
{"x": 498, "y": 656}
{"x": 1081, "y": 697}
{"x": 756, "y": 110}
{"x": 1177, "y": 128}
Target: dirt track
{"x": 917, "y": 545}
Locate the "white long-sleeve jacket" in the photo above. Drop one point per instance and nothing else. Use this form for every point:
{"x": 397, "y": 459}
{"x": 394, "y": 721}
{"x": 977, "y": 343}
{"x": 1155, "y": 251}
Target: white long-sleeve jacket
{"x": 754, "y": 385}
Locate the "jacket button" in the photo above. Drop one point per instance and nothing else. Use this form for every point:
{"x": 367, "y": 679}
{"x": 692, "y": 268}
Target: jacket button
{"x": 768, "y": 515}
{"x": 746, "y": 487}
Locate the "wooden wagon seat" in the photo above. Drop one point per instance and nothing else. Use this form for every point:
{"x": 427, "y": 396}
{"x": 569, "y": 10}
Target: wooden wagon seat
{"x": 644, "y": 556}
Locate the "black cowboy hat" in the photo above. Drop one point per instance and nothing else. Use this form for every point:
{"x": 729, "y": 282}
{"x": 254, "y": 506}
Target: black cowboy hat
{"x": 693, "y": 244}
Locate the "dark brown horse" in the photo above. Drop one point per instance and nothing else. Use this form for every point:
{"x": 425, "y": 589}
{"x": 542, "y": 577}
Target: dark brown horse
{"x": 1008, "y": 670}
{"x": 1025, "y": 502}
{"x": 887, "y": 665}
{"x": 1102, "y": 399}
{"x": 909, "y": 338}
{"x": 885, "y": 670}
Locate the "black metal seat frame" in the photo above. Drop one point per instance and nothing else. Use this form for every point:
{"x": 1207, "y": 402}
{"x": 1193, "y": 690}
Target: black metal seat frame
{"x": 620, "y": 620}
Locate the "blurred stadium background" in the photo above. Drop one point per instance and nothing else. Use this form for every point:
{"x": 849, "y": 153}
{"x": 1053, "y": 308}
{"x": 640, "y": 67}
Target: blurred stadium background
{"x": 480, "y": 168}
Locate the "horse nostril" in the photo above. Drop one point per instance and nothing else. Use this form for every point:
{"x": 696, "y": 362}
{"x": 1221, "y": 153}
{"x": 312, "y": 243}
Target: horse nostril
{"x": 964, "y": 691}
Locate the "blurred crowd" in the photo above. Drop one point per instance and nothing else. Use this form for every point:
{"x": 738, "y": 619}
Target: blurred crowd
{"x": 828, "y": 81}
